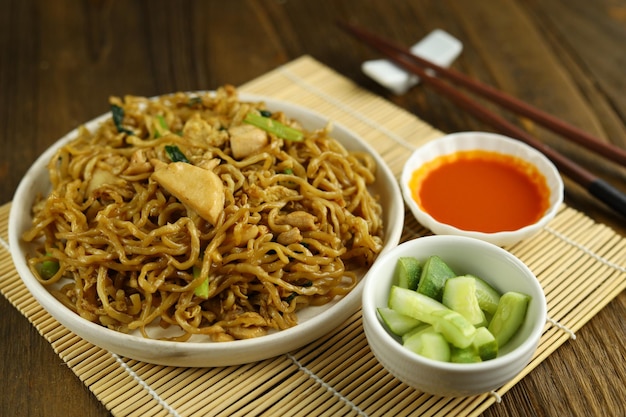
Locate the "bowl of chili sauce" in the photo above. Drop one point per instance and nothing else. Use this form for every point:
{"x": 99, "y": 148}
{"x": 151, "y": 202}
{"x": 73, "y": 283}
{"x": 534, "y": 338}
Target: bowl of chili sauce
{"x": 482, "y": 185}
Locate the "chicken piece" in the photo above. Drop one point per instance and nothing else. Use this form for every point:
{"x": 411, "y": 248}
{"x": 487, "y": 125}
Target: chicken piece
{"x": 272, "y": 194}
{"x": 138, "y": 163}
{"x": 292, "y": 235}
{"x": 199, "y": 189}
{"x": 100, "y": 177}
{"x": 300, "y": 219}
{"x": 243, "y": 232}
{"x": 246, "y": 139}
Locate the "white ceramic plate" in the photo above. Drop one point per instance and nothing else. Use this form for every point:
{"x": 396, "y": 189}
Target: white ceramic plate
{"x": 314, "y": 322}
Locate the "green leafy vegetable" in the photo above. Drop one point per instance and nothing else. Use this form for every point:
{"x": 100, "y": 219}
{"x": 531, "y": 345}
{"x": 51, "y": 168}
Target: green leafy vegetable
{"x": 161, "y": 127}
{"x": 273, "y": 126}
{"x": 194, "y": 101}
{"x": 118, "y": 119}
{"x": 175, "y": 154}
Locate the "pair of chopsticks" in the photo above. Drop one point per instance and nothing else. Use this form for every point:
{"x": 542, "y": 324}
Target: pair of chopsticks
{"x": 597, "y": 187}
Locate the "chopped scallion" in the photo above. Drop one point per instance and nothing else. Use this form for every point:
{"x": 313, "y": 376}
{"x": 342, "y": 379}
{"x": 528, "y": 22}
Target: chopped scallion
{"x": 175, "y": 154}
{"x": 273, "y": 126}
{"x": 118, "y": 119}
{"x": 161, "y": 127}
{"x": 202, "y": 290}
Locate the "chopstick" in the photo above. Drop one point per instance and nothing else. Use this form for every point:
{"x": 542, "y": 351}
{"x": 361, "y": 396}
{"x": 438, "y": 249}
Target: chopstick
{"x": 597, "y": 187}
{"x": 553, "y": 123}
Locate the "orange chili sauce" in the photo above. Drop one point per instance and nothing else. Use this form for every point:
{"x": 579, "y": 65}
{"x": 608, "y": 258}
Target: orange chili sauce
{"x": 481, "y": 191}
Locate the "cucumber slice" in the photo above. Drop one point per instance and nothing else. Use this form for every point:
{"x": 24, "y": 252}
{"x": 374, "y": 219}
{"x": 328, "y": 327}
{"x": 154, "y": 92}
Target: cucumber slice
{"x": 414, "y": 304}
{"x": 455, "y": 328}
{"x": 424, "y": 327}
{"x": 465, "y": 355}
{"x": 407, "y": 273}
{"x": 413, "y": 339}
{"x": 434, "y": 346}
{"x": 488, "y": 297}
{"x": 397, "y": 323}
{"x": 435, "y": 272}
{"x": 459, "y": 294}
{"x": 509, "y": 316}
{"x": 485, "y": 344}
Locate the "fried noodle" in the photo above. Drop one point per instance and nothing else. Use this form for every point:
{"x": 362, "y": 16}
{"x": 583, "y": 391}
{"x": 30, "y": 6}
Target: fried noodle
{"x": 140, "y": 238}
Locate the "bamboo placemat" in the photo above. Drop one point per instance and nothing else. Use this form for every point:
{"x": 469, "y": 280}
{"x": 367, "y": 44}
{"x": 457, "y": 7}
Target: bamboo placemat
{"x": 581, "y": 265}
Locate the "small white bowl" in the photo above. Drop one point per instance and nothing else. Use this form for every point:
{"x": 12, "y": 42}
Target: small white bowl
{"x": 465, "y": 256}
{"x": 464, "y": 141}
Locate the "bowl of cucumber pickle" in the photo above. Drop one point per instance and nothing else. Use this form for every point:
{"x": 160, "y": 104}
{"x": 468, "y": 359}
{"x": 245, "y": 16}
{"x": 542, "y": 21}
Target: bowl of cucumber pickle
{"x": 452, "y": 315}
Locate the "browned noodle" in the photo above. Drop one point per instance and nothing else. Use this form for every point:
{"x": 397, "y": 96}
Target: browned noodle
{"x": 297, "y": 221}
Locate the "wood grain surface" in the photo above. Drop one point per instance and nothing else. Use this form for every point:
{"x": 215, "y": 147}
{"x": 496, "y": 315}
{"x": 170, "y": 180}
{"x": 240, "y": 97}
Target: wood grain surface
{"x": 61, "y": 60}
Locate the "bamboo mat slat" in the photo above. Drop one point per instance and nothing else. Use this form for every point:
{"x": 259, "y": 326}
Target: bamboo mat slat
{"x": 581, "y": 265}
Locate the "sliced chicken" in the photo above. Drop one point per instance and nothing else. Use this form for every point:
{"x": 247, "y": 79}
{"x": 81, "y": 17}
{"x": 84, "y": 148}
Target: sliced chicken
{"x": 199, "y": 189}
{"x": 246, "y": 140}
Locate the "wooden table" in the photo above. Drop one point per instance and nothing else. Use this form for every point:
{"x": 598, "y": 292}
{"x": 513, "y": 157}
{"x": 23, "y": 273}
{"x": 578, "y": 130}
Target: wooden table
{"x": 61, "y": 60}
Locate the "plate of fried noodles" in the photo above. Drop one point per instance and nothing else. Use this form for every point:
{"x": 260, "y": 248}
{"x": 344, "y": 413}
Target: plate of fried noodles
{"x": 207, "y": 228}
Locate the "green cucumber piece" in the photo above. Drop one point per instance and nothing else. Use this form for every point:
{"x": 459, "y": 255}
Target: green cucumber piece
{"x": 407, "y": 273}
{"x": 465, "y": 355}
{"x": 456, "y": 329}
{"x": 434, "y": 346}
{"x": 397, "y": 323}
{"x": 413, "y": 304}
{"x": 488, "y": 297}
{"x": 459, "y": 294}
{"x": 509, "y": 316}
{"x": 424, "y": 327}
{"x": 485, "y": 344}
{"x": 435, "y": 272}
{"x": 413, "y": 339}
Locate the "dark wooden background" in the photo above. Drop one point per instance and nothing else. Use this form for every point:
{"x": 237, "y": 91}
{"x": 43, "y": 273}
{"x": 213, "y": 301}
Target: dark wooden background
{"x": 61, "y": 60}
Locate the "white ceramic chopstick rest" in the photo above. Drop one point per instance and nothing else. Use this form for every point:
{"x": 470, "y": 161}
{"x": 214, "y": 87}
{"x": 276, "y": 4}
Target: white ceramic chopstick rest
{"x": 438, "y": 47}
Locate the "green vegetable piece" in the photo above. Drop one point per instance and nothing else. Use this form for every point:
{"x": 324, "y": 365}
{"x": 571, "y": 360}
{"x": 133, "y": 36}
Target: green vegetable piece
{"x": 509, "y": 316}
{"x": 459, "y": 294}
{"x": 407, "y": 272}
{"x": 397, "y": 323}
{"x": 118, "y": 119}
{"x": 434, "y": 346}
{"x": 464, "y": 355}
{"x": 424, "y": 327}
{"x": 485, "y": 344}
{"x": 194, "y": 101}
{"x": 413, "y": 339}
{"x": 202, "y": 290}
{"x": 435, "y": 272}
{"x": 160, "y": 128}
{"x": 175, "y": 154}
{"x": 488, "y": 297}
{"x": 414, "y": 304}
{"x": 456, "y": 329}
{"x": 275, "y": 127}
{"x": 49, "y": 268}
